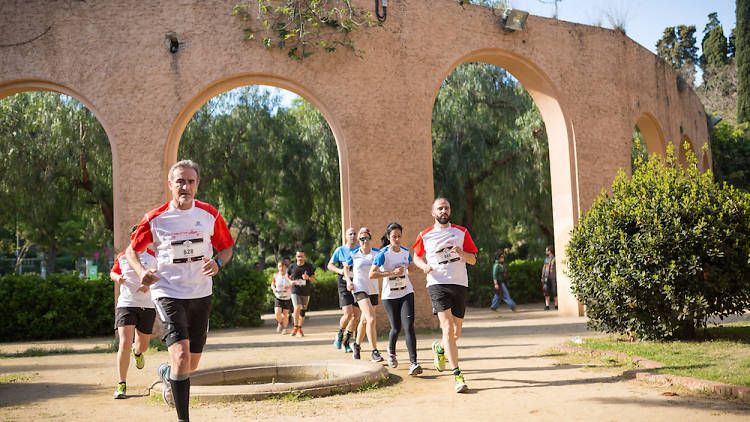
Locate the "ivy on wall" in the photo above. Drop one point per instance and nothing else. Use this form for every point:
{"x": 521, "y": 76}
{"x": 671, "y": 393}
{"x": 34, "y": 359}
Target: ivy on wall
{"x": 303, "y": 26}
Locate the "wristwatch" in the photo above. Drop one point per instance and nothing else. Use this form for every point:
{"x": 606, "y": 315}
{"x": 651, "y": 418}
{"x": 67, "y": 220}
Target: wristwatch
{"x": 219, "y": 262}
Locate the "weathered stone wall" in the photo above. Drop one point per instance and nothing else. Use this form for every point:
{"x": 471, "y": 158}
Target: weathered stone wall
{"x": 591, "y": 85}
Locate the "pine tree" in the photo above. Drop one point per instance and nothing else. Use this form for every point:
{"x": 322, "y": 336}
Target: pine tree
{"x": 742, "y": 56}
{"x": 714, "y": 44}
{"x": 677, "y": 47}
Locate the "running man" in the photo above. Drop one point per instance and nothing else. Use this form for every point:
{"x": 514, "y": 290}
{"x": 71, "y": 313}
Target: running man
{"x": 282, "y": 290}
{"x": 135, "y": 315}
{"x": 349, "y": 319}
{"x": 365, "y": 292}
{"x": 392, "y": 264}
{"x": 300, "y": 274}
{"x": 184, "y": 232}
{"x": 442, "y": 252}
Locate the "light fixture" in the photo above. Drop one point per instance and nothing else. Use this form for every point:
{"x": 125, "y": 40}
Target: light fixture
{"x": 716, "y": 119}
{"x": 173, "y": 44}
{"x": 513, "y": 19}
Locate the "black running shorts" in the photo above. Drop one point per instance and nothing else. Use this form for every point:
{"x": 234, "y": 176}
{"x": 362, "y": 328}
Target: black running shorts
{"x": 448, "y": 296}
{"x": 142, "y": 318}
{"x": 362, "y": 295}
{"x": 283, "y": 303}
{"x": 184, "y": 319}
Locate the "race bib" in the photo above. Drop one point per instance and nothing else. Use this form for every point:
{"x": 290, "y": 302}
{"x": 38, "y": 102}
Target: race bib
{"x": 397, "y": 282}
{"x": 444, "y": 256}
{"x": 187, "y": 250}
{"x": 299, "y": 282}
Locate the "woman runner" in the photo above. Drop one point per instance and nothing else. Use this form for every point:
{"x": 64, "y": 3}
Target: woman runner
{"x": 391, "y": 264}
{"x": 282, "y": 289}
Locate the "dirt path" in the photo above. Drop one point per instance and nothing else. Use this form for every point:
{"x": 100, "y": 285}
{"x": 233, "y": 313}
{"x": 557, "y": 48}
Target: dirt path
{"x": 500, "y": 357}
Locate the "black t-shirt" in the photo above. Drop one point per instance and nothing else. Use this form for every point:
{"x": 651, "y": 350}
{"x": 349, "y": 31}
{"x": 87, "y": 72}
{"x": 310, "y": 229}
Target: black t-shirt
{"x": 295, "y": 273}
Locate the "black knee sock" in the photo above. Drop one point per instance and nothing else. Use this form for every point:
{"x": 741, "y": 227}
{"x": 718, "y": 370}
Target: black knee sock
{"x": 347, "y": 337}
{"x": 181, "y": 394}
{"x": 456, "y": 372}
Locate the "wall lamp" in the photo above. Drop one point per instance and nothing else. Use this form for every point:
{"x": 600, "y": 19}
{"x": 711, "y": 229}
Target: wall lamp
{"x": 513, "y": 19}
{"x": 172, "y": 43}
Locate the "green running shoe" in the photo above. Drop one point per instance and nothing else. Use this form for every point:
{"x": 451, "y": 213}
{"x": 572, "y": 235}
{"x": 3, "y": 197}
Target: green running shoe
{"x": 120, "y": 391}
{"x": 439, "y": 361}
{"x": 460, "y": 383}
{"x": 140, "y": 361}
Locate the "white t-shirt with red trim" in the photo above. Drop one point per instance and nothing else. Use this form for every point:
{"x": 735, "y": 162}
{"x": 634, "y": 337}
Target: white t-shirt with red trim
{"x": 282, "y": 285}
{"x": 129, "y": 294}
{"x": 182, "y": 238}
{"x": 435, "y": 243}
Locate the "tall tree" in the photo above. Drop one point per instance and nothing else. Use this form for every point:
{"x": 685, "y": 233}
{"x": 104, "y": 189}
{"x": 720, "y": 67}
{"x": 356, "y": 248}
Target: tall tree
{"x": 742, "y": 57}
{"x": 677, "y": 47}
{"x": 714, "y": 45}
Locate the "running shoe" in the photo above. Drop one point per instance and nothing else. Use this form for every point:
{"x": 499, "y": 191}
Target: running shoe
{"x": 347, "y": 349}
{"x": 278, "y": 327}
{"x": 120, "y": 391}
{"x": 514, "y": 308}
{"x": 294, "y": 331}
{"x": 415, "y": 369}
{"x": 140, "y": 361}
{"x": 356, "y": 349}
{"x": 166, "y": 391}
{"x": 338, "y": 339}
{"x": 460, "y": 383}
{"x": 376, "y": 356}
{"x": 299, "y": 332}
{"x": 493, "y": 309}
{"x": 439, "y": 360}
{"x": 284, "y": 332}
{"x": 392, "y": 361}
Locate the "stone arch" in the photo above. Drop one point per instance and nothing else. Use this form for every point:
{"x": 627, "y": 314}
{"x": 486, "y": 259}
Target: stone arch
{"x": 231, "y": 82}
{"x": 561, "y": 139}
{"x": 653, "y": 135}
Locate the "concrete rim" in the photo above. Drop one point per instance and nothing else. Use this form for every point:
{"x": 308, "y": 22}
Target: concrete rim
{"x": 329, "y": 377}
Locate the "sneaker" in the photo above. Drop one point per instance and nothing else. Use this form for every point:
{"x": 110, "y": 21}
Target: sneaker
{"x": 278, "y": 327}
{"x": 140, "y": 361}
{"x": 284, "y": 332}
{"x": 514, "y": 308}
{"x": 392, "y": 361}
{"x": 166, "y": 392}
{"x": 546, "y": 308}
{"x": 415, "y": 369}
{"x": 355, "y": 349}
{"x": 338, "y": 339}
{"x": 460, "y": 383}
{"x": 439, "y": 361}
{"x": 120, "y": 391}
{"x": 294, "y": 331}
{"x": 299, "y": 332}
{"x": 376, "y": 356}
{"x": 555, "y": 307}
{"x": 347, "y": 349}
{"x": 493, "y": 309}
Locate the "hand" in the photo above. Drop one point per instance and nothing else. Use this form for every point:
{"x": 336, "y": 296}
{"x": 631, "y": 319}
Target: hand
{"x": 122, "y": 279}
{"x": 149, "y": 277}
{"x": 349, "y": 286}
{"x": 210, "y": 267}
{"x": 427, "y": 269}
{"x": 398, "y": 271}
{"x": 305, "y": 276}
{"x": 143, "y": 289}
{"x": 457, "y": 250}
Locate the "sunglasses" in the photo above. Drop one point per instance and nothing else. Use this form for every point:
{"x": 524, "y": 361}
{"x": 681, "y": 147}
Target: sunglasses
{"x": 363, "y": 239}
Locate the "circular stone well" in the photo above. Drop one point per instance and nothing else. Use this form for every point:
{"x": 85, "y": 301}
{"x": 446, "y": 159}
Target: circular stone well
{"x": 263, "y": 380}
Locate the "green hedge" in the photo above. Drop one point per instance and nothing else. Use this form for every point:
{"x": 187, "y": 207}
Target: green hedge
{"x": 324, "y": 292}
{"x": 62, "y": 306}
{"x": 239, "y": 296}
{"x": 524, "y": 282}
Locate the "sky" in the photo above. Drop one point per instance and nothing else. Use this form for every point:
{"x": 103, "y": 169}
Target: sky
{"x": 644, "y": 20}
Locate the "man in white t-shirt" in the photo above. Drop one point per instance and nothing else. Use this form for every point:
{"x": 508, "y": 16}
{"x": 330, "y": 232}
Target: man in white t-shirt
{"x": 184, "y": 232}
{"x": 442, "y": 252}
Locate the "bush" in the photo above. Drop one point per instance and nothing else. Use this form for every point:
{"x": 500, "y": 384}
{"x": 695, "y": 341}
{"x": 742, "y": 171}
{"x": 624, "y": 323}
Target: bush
{"x": 239, "y": 296}
{"x": 524, "y": 283}
{"x": 62, "y": 306}
{"x": 324, "y": 293}
{"x": 664, "y": 251}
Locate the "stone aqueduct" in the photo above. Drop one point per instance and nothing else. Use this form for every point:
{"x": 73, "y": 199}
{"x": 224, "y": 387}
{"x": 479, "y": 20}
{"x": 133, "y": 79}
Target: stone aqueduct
{"x": 592, "y": 85}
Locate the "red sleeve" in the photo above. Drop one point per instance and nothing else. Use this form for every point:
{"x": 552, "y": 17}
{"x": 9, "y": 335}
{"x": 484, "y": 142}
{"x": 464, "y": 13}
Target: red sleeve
{"x": 116, "y": 268}
{"x": 142, "y": 236}
{"x": 469, "y": 245}
{"x": 221, "y": 238}
{"x": 419, "y": 246}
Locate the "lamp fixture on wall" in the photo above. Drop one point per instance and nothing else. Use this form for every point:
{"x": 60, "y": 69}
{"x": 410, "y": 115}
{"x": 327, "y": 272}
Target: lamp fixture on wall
{"x": 173, "y": 44}
{"x": 513, "y": 19}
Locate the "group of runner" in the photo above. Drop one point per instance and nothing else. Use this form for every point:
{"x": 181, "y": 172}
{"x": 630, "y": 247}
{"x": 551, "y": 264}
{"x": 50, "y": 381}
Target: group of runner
{"x": 166, "y": 270}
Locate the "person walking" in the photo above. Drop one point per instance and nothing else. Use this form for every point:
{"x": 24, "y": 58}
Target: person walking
{"x": 500, "y": 287}
{"x": 134, "y": 315}
{"x": 282, "y": 291}
{"x": 549, "y": 277}
{"x": 393, "y": 264}
{"x": 348, "y": 321}
{"x": 442, "y": 251}
{"x": 300, "y": 274}
{"x": 184, "y": 232}
{"x": 365, "y": 292}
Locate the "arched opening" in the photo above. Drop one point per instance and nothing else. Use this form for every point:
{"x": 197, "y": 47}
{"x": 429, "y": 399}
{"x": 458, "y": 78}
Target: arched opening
{"x": 561, "y": 153}
{"x": 651, "y": 134}
{"x": 271, "y": 166}
{"x": 55, "y": 146}
{"x": 638, "y": 150}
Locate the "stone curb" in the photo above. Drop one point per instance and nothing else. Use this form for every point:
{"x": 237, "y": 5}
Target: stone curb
{"x": 694, "y": 384}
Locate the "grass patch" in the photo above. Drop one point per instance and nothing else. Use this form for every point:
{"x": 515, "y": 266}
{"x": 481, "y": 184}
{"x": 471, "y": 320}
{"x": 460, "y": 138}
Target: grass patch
{"x": 156, "y": 345}
{"x": 292, "y": 396}
{"x": 382, "y": 382}
{"x": 721, "y": 353}
{"x": 15, "y": 378}
{"x": 39, "y": 351}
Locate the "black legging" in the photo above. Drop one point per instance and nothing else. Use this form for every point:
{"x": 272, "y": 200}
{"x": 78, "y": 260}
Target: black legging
{"x": 400, "y": 311}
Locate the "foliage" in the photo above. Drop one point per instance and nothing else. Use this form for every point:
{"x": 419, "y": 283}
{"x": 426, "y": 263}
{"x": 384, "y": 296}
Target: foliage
{"x": 730, "y": 153}
{"x": 741, "y": 35}
{"x": 714, "y": 47}
{"x": 239, "y": 296}
{"x": 324, "y": 292}
{"x": 638, "y": 150}
{"x": 665, "y": 250}
{"x": 677, "y": 47}
{"x": 491, "y": 157}
{"x": 718, "y": 93}
{"x": 524, "y": 283}
{"x": 52, "y": 144}
{"x": 301, "y": 26}
{"x": 272, "y": 171}
{"x": 63, "y": 305}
